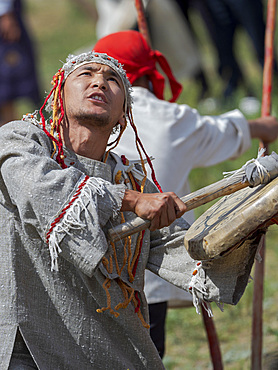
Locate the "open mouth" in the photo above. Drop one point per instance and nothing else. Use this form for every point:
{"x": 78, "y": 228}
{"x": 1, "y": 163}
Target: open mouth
{"x": 98, "y": 97}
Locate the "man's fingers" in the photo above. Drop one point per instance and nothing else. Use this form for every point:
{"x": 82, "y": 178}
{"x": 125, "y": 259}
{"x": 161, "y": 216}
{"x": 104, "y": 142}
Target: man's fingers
{"x": 180, "y": 210}
{"x": 179, "y": 206}
{"x": 168, "y": 214}
{"x": 159, "y": 208}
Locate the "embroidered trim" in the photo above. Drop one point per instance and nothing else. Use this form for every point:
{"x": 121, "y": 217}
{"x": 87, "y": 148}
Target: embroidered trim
{"x": 70, "y": 216}
{"x": 195, "y": 287}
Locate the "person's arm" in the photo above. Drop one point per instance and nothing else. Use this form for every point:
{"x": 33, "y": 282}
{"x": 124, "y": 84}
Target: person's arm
{"x": 214, "y": 139}
{"x": 264, "y": 128}
{"x": 202, "y": 141}
{"x": 63, "y": 208}
{"x": 160, "y": 208}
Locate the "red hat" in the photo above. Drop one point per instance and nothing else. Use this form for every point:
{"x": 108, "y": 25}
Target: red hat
{"x": 131, "y": 49}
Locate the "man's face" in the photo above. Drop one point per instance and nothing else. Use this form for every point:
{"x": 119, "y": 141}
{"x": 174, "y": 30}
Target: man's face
{"x": 94, "y": 94}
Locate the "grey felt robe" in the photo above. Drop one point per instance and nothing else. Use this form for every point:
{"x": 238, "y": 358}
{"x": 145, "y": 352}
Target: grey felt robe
{"x": 52, "y": 244}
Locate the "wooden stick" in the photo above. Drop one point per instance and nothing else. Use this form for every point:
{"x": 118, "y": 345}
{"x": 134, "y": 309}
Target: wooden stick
{"x": 268, "y": 60}
{"x": 142, "y": 22}
{"x": 257, "y": 321}
{"x": 202, "y": 196}
{"x": 213, "y": 341}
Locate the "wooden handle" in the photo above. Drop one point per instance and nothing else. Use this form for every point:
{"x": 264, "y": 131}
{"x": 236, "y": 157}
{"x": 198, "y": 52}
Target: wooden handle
{"x": 202, "y": 196}
{"x": 142, "y": 22}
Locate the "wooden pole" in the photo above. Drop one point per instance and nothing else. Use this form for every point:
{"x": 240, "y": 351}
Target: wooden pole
{"x": 142, "y": 22}
{"x": 268, "y": 61}
{"x": 257, "y": 317}
{"x": 193, "y": 200}
{"x": 215, "y": 353}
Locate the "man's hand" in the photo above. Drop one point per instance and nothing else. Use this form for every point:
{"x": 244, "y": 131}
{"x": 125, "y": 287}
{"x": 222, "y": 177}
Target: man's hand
{"x": 264, "y": 128}
{"x": 159, "y": 208}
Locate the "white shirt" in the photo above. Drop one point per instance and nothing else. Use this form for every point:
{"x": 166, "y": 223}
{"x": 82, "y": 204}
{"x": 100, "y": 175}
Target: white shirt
{"x": 180, "y": 139}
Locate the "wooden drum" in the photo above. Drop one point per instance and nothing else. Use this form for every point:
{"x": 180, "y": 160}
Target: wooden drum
{"x": 232, "y": 222}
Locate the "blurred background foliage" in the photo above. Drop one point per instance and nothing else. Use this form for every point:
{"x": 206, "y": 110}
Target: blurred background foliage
{"x": 60, "y": 27}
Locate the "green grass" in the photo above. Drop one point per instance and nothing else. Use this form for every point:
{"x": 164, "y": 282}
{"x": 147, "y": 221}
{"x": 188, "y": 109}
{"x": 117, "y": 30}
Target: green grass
{"x": 59, "y": 28}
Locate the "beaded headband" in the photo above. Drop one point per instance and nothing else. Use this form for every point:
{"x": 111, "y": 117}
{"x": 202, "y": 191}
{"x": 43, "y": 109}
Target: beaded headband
{"x": 75, "y": 61}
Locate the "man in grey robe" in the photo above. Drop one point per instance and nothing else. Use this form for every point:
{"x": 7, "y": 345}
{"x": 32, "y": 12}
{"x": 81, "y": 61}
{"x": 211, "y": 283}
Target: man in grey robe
{"x": 69, "y": 298}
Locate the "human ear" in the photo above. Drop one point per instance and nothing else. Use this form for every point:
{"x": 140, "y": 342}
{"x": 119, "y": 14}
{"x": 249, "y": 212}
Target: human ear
{"x": 122, "y": 120}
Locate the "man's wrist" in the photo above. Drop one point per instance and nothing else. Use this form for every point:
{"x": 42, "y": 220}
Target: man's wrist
{"x": 130, "y": 200}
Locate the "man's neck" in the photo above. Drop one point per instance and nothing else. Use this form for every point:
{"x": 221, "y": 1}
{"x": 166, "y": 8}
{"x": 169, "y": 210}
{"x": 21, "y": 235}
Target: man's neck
{"x": 89, "y": 142}
{"x": 142, "y": 81}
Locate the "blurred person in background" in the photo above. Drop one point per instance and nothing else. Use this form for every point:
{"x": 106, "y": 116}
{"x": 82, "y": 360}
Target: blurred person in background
{"x": 179, "y": 139}
{"x": 170, "y": 33}
{"x": 223, "y": 19}
{"x": 18, "y": 78}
